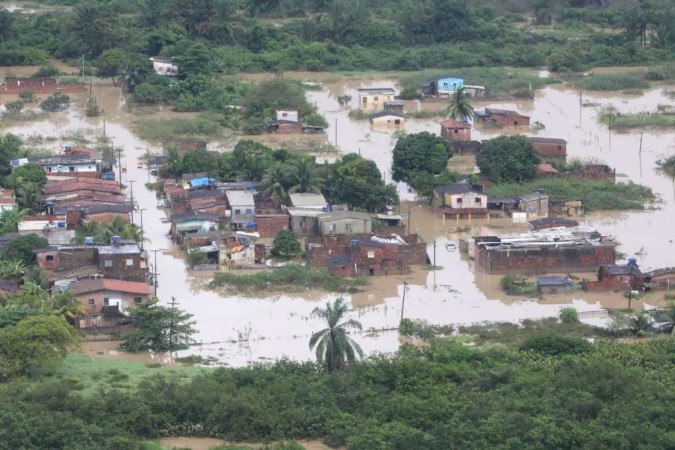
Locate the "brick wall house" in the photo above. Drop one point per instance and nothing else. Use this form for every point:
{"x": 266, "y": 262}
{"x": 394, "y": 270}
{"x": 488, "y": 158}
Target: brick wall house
{"x": 125, "y": 261}
{"x": 616, "y": 278}
{"x": 268, "y": 225}
{"x": 454, "y": 130}
{"x": 550, "y": 149}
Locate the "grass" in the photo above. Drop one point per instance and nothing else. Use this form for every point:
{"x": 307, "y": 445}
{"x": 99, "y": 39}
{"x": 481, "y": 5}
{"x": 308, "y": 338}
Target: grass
{"x": 178, "y": 128}
{"x": 612, "y": 82}
{"x": 90, "y": 374}
{"x": 291, "y": 278}
{"x": 595, "y": 195}
{"x": 639, "y": 120}
{"x": 498, "y": 81}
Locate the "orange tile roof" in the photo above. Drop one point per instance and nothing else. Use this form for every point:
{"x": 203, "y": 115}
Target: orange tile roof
{"x": 452, "y": 123}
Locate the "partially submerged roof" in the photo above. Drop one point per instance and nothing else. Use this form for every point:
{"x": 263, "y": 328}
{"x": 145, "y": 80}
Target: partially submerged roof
{"x": 385, "y": 114}
{"x": 459, "y": 188}
{"x": 628, "y": 269}
{"x": 345, "y": 215}
{"x": 452, "y": 123}
{"x": 546, "y": 168}
{"x": 547, "y": 140}
{"x": 554, "y": 281}
{"x": 659, "y": 272}
{"x": 503, "y": 112}
{"x": 555, "y": 221}
{"x": 536, "y": 196}
{"x": 105, "y": 284}
{"x": 239, "y": 198}
{"x": 190, "y": 216}
{"x": 380, "y": 90}
{"x": 124, "y": 249}
{"x": 308, "y": 200}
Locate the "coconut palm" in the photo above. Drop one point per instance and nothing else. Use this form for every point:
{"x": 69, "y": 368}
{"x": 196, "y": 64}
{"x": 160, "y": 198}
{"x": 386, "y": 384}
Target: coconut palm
{"x": 119, "y": 227}
{"x": 304, "y": 177}
{"x": 86, "y": 228}
{"x": 29, "y": 196}
{"x": 10, "y": 219}
{"x": 460, "y": 107}
{"x": 275, "y": 181}
{"x": 67, "y": 306}
{"x": 334, "y": 348}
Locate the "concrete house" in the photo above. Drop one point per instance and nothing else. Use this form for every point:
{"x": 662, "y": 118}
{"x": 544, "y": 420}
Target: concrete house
{"x": 455, "y": 130}
{"x": 373, "y": 99}
{"x": 550, "y": 149}
{"x": 101, "y": 297}
{"x": 387, "y": 119}
{"x": 461, "y": 200}
{"x": 345, "y": 222}
{"x": 7, "y": 199}
{"x": 76, "y": 164}
{"x": 192, "y": 222}
{"x": 660, "y": 279}
{"x": 442, "y": 86}
{"x": 164, "y": 68}
{"x": 617, "y": 278}
{"x": 535, "y": 205}
{"x": 554, "y": 285}
{"x": 305, "y": 221}
{"x": 394, "y": 106}
{"x": 501, "y": 117}
{"x": 122, "y": 260}
{"x": 241, "y": 206}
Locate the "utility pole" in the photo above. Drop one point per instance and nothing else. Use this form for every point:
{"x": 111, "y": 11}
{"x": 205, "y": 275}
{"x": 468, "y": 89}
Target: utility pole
{"x": 609, "y": 129}
{"x": 434, "y": 255}
{"x": 140, "y": 210}
{"x": 82, "y": 64}
{"x": 131, "y": 185}
{"x": 640, "y": 153}
{"x": 336, "y": 131}
{"x": 171, "y": 324}
{"x": 405, "y": 289}
{"x": 147, "y": 154}
{"x": 409, "y": 213}
{"x": 154, "y": 269}
{"x": 119, "y": 164}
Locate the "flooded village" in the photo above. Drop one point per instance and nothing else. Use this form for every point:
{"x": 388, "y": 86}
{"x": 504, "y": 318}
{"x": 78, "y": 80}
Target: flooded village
{"x": 440, "y": 260}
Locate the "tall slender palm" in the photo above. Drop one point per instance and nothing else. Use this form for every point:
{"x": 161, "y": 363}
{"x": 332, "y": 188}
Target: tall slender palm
{"x": 304, "y": 177}
{"x": 460, "y": 106}
{"x": 334, "y": 348}
{"x": 275, "y": 181}
{"x": 86, "y": 228}
{"x": 10, "y": 219}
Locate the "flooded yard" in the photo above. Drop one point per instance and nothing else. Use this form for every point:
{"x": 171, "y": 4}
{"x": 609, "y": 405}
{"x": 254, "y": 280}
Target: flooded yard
{"x": 239, "y": 330}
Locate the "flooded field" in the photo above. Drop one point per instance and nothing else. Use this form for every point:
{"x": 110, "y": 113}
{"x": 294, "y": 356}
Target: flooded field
{"x": 239, "y": 331}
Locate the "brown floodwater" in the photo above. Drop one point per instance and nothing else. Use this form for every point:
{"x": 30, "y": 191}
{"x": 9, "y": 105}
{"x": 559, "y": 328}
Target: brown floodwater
{"x": 240, "y": 330}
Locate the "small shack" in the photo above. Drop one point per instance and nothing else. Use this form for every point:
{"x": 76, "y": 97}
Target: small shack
{"x": 455, "y": 130}
{"x": 554, "y": 285}
{"x": 387, "y": 119}
{"x": 501, "y": 117}
{"x": 373, "y": 99}
{"x": 550, "y": 149}
{"x": 394, "y": 106}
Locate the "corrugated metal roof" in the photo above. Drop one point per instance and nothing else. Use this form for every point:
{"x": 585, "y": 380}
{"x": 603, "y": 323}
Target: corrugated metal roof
{"x": 125, "y": 249}
{"x": 308, "y": 200}
{"x": 239, "y": 198}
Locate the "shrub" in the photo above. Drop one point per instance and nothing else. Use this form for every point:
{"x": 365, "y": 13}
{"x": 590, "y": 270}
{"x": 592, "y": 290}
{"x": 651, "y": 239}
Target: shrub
{"x": 27, "y": 95}
{"x": 553, "y": 345}
{"x": 286, "y": 245}
{"x": 569, "y": 315}
{"x": 46, "y": 71}
{"x": 14, "y": 107}
{"x": 57, "y": 102}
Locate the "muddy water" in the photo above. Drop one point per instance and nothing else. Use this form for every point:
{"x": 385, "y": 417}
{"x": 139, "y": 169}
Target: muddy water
{"x": 239, "y": 330}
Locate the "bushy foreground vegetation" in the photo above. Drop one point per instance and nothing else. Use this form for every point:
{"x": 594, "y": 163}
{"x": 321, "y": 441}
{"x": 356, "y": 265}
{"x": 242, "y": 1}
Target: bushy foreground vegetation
{"x": 639, "y": 120}
{"x": 545, "y": 392}
{"x": 289, "y": 278}
{"x": 595, "y": 195}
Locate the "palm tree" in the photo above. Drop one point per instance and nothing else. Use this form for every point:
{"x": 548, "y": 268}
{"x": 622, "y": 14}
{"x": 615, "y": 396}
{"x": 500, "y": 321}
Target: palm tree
{"x": 133, "y": 232}
{"x": 304, "y": 177}
{"x": 113, "y": 228}
{"x": 67, "y": 306}
{"x": 12, "y": 270}
{"x": 275, "y": 180}
{"x": 29, "y": 196}
{"x": 38, "y": 276}
{"x": 460, "y": 107}
{"x": 86, "y": 228}
{"x": 334, "y": 348}
{"x": 11, "y": 218}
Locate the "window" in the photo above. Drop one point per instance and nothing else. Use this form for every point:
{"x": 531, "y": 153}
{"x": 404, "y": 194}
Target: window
{"x": 107, "y": 263}
{"x": 90, "y": 301}
{"x": 456, "y": 131}
{"x": 138, "y": 300}
{"x": 397, "y": 122}
{"x": 237, "y": 211}
{"x": 50, "y": 257}
{"x": 106, "y": 301}
{"x": 477, "y": 200}
{"x": 559, "y": 147}
{"x": 459, "y": 201}
{"x": 348, "y": 227}
{"x": 49, "y": 169}
{"x": 302, "y": 223}
{"x": 71, "y": 169}
{"x": 130, "y": 262}
{"x": 249, "y": 211}
{"x": 376, "y": 99}
{"x": 332, "y": 227}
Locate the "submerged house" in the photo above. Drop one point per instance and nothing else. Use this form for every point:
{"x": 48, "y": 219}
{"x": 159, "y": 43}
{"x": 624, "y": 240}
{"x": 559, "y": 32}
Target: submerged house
{"x": 660, "y": 279}
{"x": 613, "y": 277}
{"x": 455, "y": 130}
{"x": 387, "y": 119}
{"x": 442, "y": 86}
{"x": 461, "y": 200}
{"x": 373, "y": 99}
{"x": 501, "y": 117}
{"x": 554, "y": 285}
{"x": 105, "y": 301}
{"x": 550, "y": 149}
{"x": 344, "y": 222}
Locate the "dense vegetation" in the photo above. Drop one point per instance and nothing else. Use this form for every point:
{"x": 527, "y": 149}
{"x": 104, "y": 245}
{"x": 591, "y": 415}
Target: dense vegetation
{"x": 595, "y": 195}
{"x": 545, "y": 392}
{"x": 508, "y": 159}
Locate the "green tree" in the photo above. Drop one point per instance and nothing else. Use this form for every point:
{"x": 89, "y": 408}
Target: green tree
{"x": 14, "y": 107}
{"x": 112, "y": 63}
{"x": 21, "y": 248}
{"x": 460, "y": 106}
{"x": 195, "y": 257}
{"x": 12, "y": 270}
{"x": 421, "y": 153}
{"x": 158, "y": 328}
{"x": 335, "y": 350}
{"x": 85, "y": 229}
{"x": 304, "y": 177}
{"x": 55, "y": 102}
{"x": 286, "y": 245}
{"x": 67, "y": 306}
{"x": 29, "y": 196}
{"x": 508, "y": 159}
{"x": 118, "y": 227}
{"x": 34, "y": 343}
{"x": 275, "y": 181}
{"x": 11, "y": 218}
{"x": 28, "y": 173}
{"x": 358, "y": 182}
{"x": 38, "y": 276}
